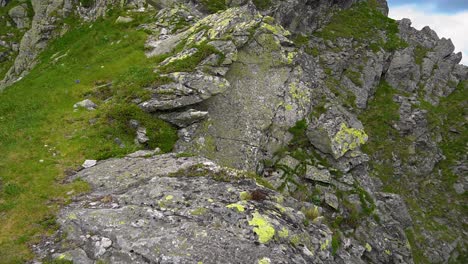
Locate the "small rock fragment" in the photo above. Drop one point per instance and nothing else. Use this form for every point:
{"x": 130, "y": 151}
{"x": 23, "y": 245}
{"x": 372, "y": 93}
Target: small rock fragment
{"x": 141, "y": 137}
{"x": 315, "y": 174}
{"x": 89, "y": 164}
{"x": 123, "y": 20}
{"x": 331, "y": 200}
{"x": 88, "y": 104}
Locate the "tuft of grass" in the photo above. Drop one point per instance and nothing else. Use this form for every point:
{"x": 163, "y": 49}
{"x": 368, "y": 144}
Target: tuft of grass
{"x": 214, "y": 6}
{"x": 420, "y": 53}
{"x": 445, "y": 119}
{"x": 361, "y": 22}
{"x": 299, "y": 134}
{"x": 355, "y": 77}
{"x": 190, "y": 63}
{"x": 301, "y": 40}
{"x": 336, "y": 242}
{"x": 382, "y": 112}
{"x": 41, "y": 135}
{"x": 262, "y": 4}
{"x": 87, "y": 3}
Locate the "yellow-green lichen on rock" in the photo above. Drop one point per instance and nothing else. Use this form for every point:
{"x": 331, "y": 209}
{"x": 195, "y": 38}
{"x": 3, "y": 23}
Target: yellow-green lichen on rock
{"x": 244, "y": 196}
{"x": 325, "y": 245}
{"x": 264, "y": 230}
{"x": 275, "y": 29}
{"x": 199, "y": 211}
{"x": 347, "y": 139}
{"x": 368, "y": 247}
{"x": 264, "y": 261}
{"x": 233, "y": 21}
{"x": 283, "y": 233}
{"x": 238, "y": 206}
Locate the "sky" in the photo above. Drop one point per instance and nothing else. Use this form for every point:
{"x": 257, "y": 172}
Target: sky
{"x": 449, "y": 18}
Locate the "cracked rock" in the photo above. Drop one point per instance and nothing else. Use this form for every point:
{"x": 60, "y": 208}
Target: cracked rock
{"x": 185, "y": 118}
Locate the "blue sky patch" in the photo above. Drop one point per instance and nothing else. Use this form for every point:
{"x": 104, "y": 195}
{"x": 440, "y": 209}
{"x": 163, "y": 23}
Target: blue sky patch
{"x": 446, "y": 6}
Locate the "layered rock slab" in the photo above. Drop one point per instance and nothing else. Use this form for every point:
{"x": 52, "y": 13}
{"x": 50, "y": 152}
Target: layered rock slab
{"x": 166, "y": 209}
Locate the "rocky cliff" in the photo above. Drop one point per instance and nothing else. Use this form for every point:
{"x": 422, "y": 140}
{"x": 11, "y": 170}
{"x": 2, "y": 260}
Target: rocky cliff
{"x": 309, "y": 132}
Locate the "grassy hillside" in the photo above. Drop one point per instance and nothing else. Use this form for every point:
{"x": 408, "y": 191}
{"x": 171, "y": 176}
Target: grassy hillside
{"x": 42, "y": 138}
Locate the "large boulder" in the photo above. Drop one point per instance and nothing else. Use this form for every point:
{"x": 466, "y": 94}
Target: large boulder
{"x": 166, "y": 209}
{"x": 336, "y": 132}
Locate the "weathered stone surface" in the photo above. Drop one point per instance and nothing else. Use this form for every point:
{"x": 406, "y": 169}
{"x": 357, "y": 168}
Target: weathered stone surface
{"x": 314, "y": 174}
{"x": 144, "y": 153}
{"x": 187, "y": 89}
{"x": 87, "y": 104}
{"x": 89, "y": 164}
{"x": 141, "y": 137}
{"x": 19, "y": 15}
{"x": 336, "y": 132}
{"x": 332, "y": 200}
{"x": 123, "y": 20}
{"x": 161, "y": 46}
{"x": 176, "y": 206}
{"x": 403, "y": 73}
{"x": 185, "y": 118}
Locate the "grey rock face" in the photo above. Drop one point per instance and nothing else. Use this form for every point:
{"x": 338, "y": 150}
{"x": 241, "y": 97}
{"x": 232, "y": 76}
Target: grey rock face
{"x": 19, "y": 15}
{"x": 185, "y": 118}
{"x": 336, "y": 132}
{"x": 160, "y": 210}
{"x": 188, "y": 89}
{"x": 403, "y": 73}
{"x": 318, "y": 175}
{"x": 89, "y": 163}
{"x": 439, "y": 66}
{"x": 309, "y": 15}
{"x": 141, "y": 136}
{"x": 306, "y": 16}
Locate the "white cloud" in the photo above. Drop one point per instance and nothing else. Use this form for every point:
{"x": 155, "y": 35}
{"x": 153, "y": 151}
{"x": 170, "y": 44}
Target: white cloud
{"x": 453, "y": 26}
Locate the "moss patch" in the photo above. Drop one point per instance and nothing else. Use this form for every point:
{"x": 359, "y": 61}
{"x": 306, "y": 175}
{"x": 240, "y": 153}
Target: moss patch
{"x": 214, "y": 6}
{"x": 361, "y": 22}
{"x": 238, "y": 206}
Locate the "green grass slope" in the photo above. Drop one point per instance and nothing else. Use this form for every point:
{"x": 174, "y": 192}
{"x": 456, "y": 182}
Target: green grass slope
{"x": 42, "y": 137}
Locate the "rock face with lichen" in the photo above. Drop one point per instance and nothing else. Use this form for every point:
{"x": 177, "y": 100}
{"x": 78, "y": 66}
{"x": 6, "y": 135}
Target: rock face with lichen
{"x": 166, "y": 209}
{"x": 309, "y": 132}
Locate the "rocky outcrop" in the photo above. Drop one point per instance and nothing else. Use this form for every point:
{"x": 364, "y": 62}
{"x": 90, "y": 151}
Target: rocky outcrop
{"x": 180, "y": 210}
{"x": 176, "y": 210}
{"x": 19, "y": 15}
{"x": 46, "y": 24}
{"x": 347, "y": 129}
{"x": 336, "y": 132}
{"x": 46, "y": 14}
